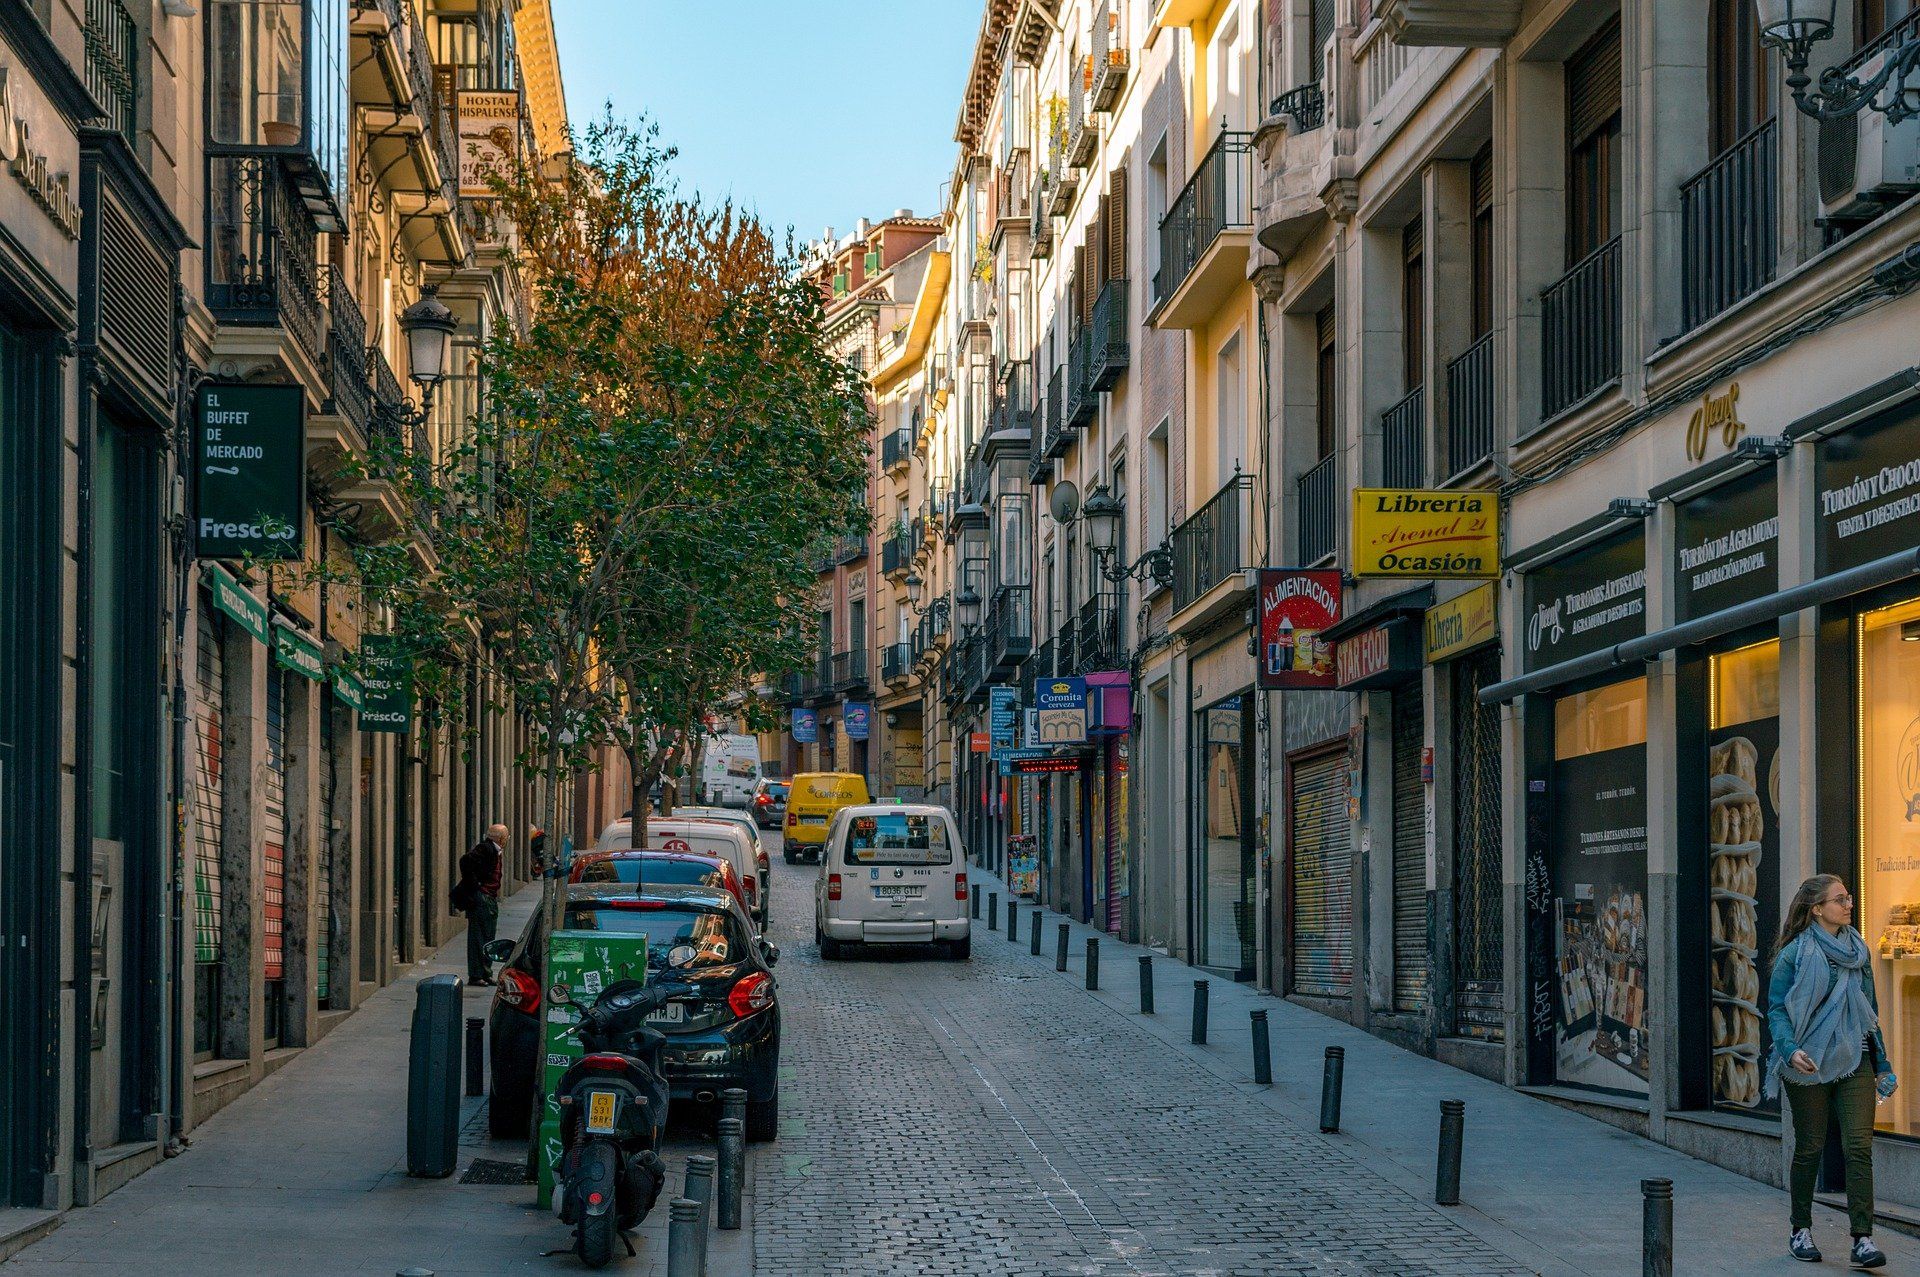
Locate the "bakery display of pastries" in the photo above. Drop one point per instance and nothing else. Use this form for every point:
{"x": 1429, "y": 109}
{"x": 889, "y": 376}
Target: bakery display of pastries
{"x": 1736, "y": 824}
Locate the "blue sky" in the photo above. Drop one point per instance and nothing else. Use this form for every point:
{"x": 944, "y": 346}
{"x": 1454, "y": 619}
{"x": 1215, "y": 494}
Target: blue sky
{"x": 812, "y": 112}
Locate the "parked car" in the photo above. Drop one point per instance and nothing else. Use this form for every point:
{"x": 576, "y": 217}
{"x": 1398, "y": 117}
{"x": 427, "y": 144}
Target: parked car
{"x": 648, "y": 867}
{"x": 894, "y": 874}
{"x": 811, "y": 804}
{"x": 726, "y": 1034}
{"x": 702, "y": 837}
{"x": 769, "y": 805}
{"x": 746, "y": 825}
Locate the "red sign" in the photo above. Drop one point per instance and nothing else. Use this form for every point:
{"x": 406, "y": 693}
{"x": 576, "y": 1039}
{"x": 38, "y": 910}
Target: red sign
{"x": 676, "y": 844}
{"x": 980, "y": 743}
{"x": 1380, "y": 657}
{"x": 1296, "y": 604}
{"x": 1045, "y": 766}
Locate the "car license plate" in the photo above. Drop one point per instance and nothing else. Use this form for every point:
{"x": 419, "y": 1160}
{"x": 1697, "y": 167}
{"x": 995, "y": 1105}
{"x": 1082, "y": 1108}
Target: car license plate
{"x": 897, "y": 893}
{"x": 601, "y": 1107}
{"x": 813, "y": 820}
{"x": 671, "y": 1013}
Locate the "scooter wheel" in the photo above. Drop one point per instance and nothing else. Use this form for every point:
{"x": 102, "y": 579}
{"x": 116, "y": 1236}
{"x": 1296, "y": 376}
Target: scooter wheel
{"x": 596, "y": 1240}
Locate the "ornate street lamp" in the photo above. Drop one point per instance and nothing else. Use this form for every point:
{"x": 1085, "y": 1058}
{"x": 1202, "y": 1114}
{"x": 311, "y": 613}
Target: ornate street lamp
{"x": 1795, "y": 26}
{"x": 968, "y": 603}
{"x": 428, "y": 327}
{"x": 916, "y": 588}
{"x": 1102, "y": 514}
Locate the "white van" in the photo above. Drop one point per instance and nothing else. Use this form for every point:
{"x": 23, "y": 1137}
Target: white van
{"x": 893, "y": 873}
{"x": 729, "y": 769}
{"x": 703, "y": 838}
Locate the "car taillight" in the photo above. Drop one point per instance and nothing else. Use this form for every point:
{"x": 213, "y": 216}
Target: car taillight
{"x": 633, "y": 904}
{"x": 791, "y": 818}
{"x": 833, "y": 886}
{"x": 959, "y": 886}
{"x": 761, "y": 800}
{"x": 518, "y": 990}
{"x": 604, "y": 1061}
{"x": 752, "y": 887}
{"x": 753, "y": 993}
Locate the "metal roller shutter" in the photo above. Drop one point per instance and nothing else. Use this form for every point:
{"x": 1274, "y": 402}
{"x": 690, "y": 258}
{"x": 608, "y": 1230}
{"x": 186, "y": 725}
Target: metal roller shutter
{"x": 1477, "y": 978}
{"x": 1409, "y": 854}
{"x": 209, "y": 810}
{"x": 1321, "y": 839}
{"x": 323, "y": 878}
{"x": 274, "y": 882}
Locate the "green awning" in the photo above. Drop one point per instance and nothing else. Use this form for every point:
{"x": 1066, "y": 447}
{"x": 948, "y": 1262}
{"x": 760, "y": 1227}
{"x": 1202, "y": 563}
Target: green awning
{"x": 350, "y": 690}
{"x": 295, "y": 651}
{"x": 233, "y": 598}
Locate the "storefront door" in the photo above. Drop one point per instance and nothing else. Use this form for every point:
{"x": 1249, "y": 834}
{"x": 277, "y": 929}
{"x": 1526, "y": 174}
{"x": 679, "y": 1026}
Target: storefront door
{"x": 1477, "y": 903}
{"x": 1223, "y": 866}
{"x": 1409, "y": 852}
{"x": 274, "y": 853}
{"x": 1320, "y": 854}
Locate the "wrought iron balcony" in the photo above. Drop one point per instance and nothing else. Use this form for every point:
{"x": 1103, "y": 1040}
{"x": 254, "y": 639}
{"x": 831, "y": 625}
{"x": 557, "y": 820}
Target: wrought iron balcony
{"x": 1083, "y": 131}
{"x": 1403, "y": 441}
{"x": 1040, "y": 664}
{"x": 1728, "y": 226}
{"x": 1217, "y": 198}
{"x": 1319, "y": 510}
{"x": 1013, "y": 191}
{"x": 1470, "y": 406}
{"x": 1107, "y": 349}
{"x": 1097, "y": 636}
{"x": 1306, "y": 106}
{"x": 1013, "y": 398}
{"x": 896, "y": 662}
{"x": 896, "y": 552}
{"x": 1009, "y": 628}
{"x": 1580, "y": 318}
{"x": 1058, "y": 432}
{"x": 1063, "y": 182}
{"x": 261, "y": 264}
{"x": 1109, "y": 55}
{"x": 1040, "y": 223}
{"x": 112, "y": 43}
{"x": 349, "y": 389}
{"x": 896, "y": 449}
{"x": 1212, "y": 544}
{"x": 1083, "y": 401}
{"x": 849, "y": 670}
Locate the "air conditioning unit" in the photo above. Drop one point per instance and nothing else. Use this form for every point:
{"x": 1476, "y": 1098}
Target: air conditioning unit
{"x": 1866, "y": 161}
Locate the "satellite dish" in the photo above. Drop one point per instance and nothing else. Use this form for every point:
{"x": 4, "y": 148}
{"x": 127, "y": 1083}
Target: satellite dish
{"x": 1064, "y": 501}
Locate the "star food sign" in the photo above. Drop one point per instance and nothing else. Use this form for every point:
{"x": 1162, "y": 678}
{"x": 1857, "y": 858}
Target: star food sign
{"x": 248, "y": 471}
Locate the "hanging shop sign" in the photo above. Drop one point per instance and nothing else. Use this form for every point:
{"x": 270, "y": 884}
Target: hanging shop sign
{"x": 1382, "y": 656}
{"x": 351, "y": 691}
{"x": 1461, "y": 624}
{"x": 1718, "y": 416}
{"x": 806, "y": 727}
{"x": 1869, "y": 492}
{"x": 1003, "y": 717}
{"x": 1442, "y": 535}
{"x": 857, "y": 716}
{"x": 293, "y": 650}
{"x": 1051, "y": 765}
{"x": 249, "y": 471}
{"x": 1062, "y": 703}
{"x": 1726, "y": 545}
{"x": 1587, "y": 600}
{"x": 238, "y": 602}
{"x": 1296, "y": 604}
{"x": 389, "y": 685}
{"x": 979, "y": 743}
{"x": 489, "y": 131}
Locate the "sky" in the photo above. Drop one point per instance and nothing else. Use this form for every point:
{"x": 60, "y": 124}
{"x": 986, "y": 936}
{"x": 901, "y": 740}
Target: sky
{"x": 811, "y": 112}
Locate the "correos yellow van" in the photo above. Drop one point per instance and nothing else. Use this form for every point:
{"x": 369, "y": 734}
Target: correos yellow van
{"x": 811, "y": 802}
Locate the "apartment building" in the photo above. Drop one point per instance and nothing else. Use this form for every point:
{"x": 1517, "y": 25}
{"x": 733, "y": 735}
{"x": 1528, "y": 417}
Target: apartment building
{"x": 261, "y": 201}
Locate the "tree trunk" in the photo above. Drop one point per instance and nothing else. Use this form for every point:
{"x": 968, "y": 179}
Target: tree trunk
{"x": 553, "y": 888}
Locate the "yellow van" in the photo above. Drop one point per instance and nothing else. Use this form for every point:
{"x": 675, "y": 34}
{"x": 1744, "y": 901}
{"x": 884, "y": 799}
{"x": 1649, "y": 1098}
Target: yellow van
{"x": 811, "y": 803}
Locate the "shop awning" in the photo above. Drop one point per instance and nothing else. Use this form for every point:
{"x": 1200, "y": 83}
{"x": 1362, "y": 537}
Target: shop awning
{"x": 234, "y": 599}
{"x": 1828, "y": 589}
{"x": 293, "y": 650}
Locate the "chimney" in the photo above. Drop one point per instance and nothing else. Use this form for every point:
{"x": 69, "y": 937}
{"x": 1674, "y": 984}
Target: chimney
{"x": 903, "y": 214}
{"x": 862, "y": 228}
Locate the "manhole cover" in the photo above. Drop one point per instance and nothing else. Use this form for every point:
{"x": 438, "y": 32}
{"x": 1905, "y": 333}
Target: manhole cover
{"x": 485, "y": 1170}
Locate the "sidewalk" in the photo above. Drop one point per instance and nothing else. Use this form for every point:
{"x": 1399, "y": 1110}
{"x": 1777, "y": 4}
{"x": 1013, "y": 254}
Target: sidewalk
{"x": 306, "y": 1174}
{"x": 1554, "y": 1189}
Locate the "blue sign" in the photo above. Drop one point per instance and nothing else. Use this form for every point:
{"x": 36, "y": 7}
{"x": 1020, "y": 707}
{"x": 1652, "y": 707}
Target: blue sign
{"x": 1003, "y": 717}
{"x": 858, "y": 717}
{"x": 806, "y": 727}
{"x": 1062, "y": 706}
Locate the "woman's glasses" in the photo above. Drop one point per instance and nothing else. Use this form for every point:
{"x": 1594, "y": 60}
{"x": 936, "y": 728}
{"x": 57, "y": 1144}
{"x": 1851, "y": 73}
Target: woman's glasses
{"x": 1842, "y": 899}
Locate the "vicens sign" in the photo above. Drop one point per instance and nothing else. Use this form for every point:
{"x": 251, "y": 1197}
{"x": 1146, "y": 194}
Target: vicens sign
{"x": 53, "y": 192}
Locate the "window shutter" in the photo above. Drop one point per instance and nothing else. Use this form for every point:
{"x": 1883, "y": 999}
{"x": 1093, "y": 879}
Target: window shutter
{"x": 1101, "y": 267}
{"x": 1079, "y": 285}
{"x": 1117, "y": 224}
{"x": 1482, "y": 179}
{"x": 1593, "y": 84}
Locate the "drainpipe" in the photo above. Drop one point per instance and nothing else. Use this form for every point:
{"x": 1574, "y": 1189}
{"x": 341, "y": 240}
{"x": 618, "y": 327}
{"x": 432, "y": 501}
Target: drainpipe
{"x": 82, "y": 936}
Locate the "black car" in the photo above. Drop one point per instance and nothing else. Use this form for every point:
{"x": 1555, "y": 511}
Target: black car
{"x": 727, "y": 1036}
{"x": 769, "y": 804}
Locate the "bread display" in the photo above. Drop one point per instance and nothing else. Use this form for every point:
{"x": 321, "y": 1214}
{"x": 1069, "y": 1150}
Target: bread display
{"x": 1736, "y": 823}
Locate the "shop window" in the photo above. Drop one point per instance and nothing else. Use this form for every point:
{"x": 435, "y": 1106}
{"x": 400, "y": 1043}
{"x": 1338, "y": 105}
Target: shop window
{"x": 1226, "y": 869}
{"x": 1888, "y": 913}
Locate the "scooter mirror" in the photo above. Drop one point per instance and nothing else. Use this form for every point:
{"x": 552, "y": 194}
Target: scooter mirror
{"x": 560, "y": 995}
{"x": 681, "y": 955}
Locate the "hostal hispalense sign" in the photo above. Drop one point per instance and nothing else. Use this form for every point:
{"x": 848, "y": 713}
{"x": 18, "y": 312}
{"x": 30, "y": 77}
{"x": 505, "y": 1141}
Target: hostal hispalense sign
{"x": 1411, "y": 532}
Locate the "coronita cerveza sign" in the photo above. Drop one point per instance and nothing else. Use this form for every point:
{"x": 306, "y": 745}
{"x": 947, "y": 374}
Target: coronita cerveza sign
{"x": 1411, "y": 532}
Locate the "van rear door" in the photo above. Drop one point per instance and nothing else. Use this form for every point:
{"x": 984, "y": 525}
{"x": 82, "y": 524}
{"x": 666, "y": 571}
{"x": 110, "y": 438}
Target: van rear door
{"x": 898, "y": 867}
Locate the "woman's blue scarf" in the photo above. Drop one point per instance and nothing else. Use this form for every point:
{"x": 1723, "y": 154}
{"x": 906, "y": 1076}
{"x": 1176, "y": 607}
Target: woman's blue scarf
{"x": 1827, "y": 1006}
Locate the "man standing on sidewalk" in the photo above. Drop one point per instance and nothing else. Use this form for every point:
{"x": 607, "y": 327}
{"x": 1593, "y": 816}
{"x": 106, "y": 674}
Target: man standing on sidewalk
{"x": 481, "y": 868}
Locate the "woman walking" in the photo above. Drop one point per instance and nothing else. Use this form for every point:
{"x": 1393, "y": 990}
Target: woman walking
{"x": 1825, "y": 1023}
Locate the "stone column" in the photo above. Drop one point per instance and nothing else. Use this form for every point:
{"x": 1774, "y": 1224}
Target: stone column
{"x": 301, "y": 921}
{"x": 1446, "y": 198}
{"x": 243, "y": 749}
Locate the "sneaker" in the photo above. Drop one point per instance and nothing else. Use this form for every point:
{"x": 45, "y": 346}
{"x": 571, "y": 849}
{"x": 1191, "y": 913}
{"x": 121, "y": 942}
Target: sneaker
{"x": 1801, "y": 1246}
{"x": 1866, "y": 1254}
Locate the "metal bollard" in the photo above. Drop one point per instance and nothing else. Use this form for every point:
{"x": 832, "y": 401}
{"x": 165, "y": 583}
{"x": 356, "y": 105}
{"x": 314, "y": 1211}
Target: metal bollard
{"x": 1262, "y": 1049}
{"x": 683, "y": 1239}
{"x": 699, "y": 1188}
{"x": 733, "y": 1170}
{"x": 414, "y": 1272}
{"x": 476, "y": 1055}
{"x": 1060, "y": 951}
{"x": 1013, "y": 920}
{"x": 1200, "y": 1012}
{"x": 1093, "y": 963}
{"x": 1453, "y": 1129}
{"x": 1146, "y": 985}
{"x": 1331, "y": 1079}
{"x": 1656, "y": 1228}
{"x": 733, "y": 1104}
{"x": 976, "y": 900}
{"x": 1033, "y": 940}
{"x": 993, "y": 911}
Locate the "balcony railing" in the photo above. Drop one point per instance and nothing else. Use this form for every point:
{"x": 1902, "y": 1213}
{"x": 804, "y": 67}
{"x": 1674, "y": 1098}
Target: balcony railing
{"x": 1212, "y": 545}
{"x": 347, "y": 381}
{"x": 1109, "y": 54}
{"x": 1107, "y": 336}
{"x": 1470, "y": 406}
{"x": 1217, "y": 198}
{"x": 1319, "y": 510}
{"x": 1097, "y": 636}
{"x": 1083, "y": 401}
{"x": 1728, "y": 225}
{"x": 1083, "y": 131}
{"x": 1013, "y": 398}
{"x": 1040, "y": 225}
{"x": 896, "y": 448}
{"x": 896, "y": 662}
{"x": 1063, "y": 180}
{"x": 261, "y": 264}
{"x": 849, "y": 549}
{"x": 1009, "y": 627}
{"x": 1013, "y": 194}
{"x": 849, "y": 669}
{"x": 1580, "y": 316}
{"x": 1306, "y": 106}
{"x": 112, "y": 42}
{"x": 1040, "y": 664}
{"x": 1058, "y": 431}
{"x": 896, "y": 553}
{"x": 1403, "y": 441}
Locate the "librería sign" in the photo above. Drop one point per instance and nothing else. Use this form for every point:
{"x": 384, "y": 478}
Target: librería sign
{"x": 249, "y": 471}
{"x": 1441, "y": 535}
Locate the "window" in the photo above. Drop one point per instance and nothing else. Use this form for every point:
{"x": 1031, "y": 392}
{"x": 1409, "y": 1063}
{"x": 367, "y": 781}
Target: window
{"x": 902, "y": 839}
{"x": 1739, "y": 91}
{"x": 1481, "y": 178}
{"x": 1156, "y": 204}
{"x": 857, "y": 625}
{"x": 1593, "y": 144}
{"x": 1230, "y": 427}
{"x": 1155, "y": 525}
{"x": 1326, "y": 381}
{"x": 1872, "y": 18}
{"x": 278, "y": 76}
{"x": 1413, "y": 306}
{"x": 715, "y": 937}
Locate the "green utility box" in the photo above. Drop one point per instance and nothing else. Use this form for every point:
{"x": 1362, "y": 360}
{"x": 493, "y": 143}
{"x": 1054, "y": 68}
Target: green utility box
{"x": 586, "y": 962}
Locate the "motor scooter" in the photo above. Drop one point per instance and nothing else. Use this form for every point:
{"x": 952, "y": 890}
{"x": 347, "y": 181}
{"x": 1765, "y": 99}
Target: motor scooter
{"x": 613, "y": 1110}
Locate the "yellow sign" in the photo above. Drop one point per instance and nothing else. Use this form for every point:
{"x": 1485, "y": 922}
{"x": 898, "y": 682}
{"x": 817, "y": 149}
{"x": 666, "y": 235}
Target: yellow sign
{"x": 1410, "y": 532}
{"x": 1463, "y": 623}
{"x": 1716, "y": 412}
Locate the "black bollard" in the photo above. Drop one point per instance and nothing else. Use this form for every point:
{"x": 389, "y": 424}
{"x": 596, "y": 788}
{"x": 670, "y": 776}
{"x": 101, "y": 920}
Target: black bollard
{"x": 976, "y": 900}
{"x": 476, "y": 1055}
{"x": 1033, "y": 940}
{"x": 1330, "y": 1083}
{"x": 1146, "y": 984}
{"x": 993, "y": 911}
{"x": 733, "y": 1104}
{"x": 1013, "y": 920}
{"x": 1093, "y": 962}
{"x": 1262, "y": 1049}
{"x": 1200, "y": 1012}
{"x": 1656, "y": 1228}
{"x": 1453, "y": 1129}
{"x": 1060, "y": 952}
{"x": 698, "y": 1187}
{"x": 683, "y": 1238}
{"x": 732, "y": 1169}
